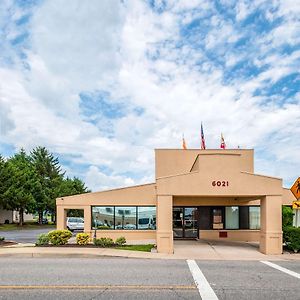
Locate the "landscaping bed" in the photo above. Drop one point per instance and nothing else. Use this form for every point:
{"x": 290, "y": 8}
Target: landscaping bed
{"x": 4, "y": 243}
{"x": 144, "y": 248}
{"x": 60, "y": 238}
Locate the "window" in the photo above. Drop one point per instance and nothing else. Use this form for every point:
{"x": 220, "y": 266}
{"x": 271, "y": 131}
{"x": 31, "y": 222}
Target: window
{"x": 146, "y": 217}
{"x": 217, "y": 218}
{"x": 232, "y": 217}
{"x": 103, "y": 217}
{"x": 125, "y": 217}
{"x": 254, "y": 217}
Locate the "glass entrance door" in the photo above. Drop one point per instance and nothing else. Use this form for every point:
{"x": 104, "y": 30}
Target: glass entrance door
{"x": 185, "y": 222}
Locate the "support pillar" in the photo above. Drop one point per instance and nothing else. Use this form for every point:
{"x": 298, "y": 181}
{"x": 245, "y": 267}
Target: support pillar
{"x": 271, "y": 225}
{"x": 87, "y": 219}
{"x": 164, "y": 232}
{"x": 61, "y": 217}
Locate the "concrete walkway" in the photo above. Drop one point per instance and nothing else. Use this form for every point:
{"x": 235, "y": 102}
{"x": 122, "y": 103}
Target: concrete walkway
{"x": 200, "y": 250}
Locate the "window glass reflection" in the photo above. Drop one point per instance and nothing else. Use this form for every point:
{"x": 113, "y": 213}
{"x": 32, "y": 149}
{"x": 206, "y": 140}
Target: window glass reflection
{"x": 232, "y": 217}
{"x": 103, "y": 217}
{"x": 125, "y": 217}
{"x": 146, "y": 218}
{"x": 254, "y": 217}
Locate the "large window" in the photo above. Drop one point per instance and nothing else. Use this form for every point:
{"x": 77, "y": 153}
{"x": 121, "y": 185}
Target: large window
{"x": 232, "y": 217}
{"x": 103, "y": 217}
{"x": 124, "y": 217}
{"x": 254, "y": 217}
{"x": 146, "y": 217}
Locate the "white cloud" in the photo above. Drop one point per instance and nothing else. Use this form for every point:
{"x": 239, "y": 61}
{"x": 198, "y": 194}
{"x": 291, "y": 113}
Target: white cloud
{"x": 104, "y": 45}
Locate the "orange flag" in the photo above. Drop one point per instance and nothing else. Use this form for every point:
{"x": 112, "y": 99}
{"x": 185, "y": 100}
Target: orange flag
{"x": 183, "y": 143}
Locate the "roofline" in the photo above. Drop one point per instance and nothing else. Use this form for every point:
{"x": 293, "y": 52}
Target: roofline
{"x": 198, "y": 149}
{"x": 261, "y": 175}
{"x": 110, "y": 190}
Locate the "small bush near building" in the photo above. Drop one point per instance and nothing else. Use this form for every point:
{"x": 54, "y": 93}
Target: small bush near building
{"x": 59, "y": 237}
{"x": 120, "y": 241}
{"x": 292, "y": 238}
{"x": 43, "y": 240}
{"x": 104, "y": 242}
{"x": 82, "y": 238}
{"x": 2, "y": 238}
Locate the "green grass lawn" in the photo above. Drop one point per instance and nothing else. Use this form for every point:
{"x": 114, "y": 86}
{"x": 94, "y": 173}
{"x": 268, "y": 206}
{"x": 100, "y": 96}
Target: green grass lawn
{"x": 145, "y": 248}
{"x": 9, "y": 227}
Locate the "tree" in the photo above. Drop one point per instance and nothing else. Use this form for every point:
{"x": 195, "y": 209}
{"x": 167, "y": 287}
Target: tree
{"x": 73, "y": 186}
{"x": 4, "y": 178}
{"x": 49, "y": 176}
{"x": 19, "y": 184}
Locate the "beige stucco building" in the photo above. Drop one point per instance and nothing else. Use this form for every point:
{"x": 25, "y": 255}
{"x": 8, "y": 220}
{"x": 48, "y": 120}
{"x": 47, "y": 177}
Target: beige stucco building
{"x": 206, "y": 194}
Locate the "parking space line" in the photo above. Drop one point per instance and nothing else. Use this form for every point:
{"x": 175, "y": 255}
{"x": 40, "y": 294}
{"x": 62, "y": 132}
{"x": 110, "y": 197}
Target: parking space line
{"x": 282, "y": 269}
{"x": 204, "y": 288}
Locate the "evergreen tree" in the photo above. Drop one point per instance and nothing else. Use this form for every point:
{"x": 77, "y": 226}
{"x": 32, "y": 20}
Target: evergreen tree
{"x": 49, "y": 176}
{"x": 19, "y": 184}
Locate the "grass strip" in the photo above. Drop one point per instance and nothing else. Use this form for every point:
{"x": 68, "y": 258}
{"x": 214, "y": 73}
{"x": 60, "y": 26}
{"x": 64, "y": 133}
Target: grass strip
{"x": 144, "y": 248}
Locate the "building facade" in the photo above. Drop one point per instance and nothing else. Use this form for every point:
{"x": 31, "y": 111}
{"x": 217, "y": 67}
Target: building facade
{"x": 206, "y": 194}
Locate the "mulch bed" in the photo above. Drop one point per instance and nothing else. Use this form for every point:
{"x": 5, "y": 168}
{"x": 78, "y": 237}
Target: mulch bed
{"x": 7, "y": 243}
{"x": 76, "y": 246}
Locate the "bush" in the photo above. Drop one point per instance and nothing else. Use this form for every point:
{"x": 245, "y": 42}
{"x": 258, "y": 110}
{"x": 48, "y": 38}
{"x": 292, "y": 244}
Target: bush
{"x": 104, "y": 242}
{"x": 2, "y": 238}
{"x": 82, "y": 238}
{"x": 43, "y": 240}
{"x": 120, "y": 241}
{"x": 59, "y": 237}
{"x": 292, "y": 238}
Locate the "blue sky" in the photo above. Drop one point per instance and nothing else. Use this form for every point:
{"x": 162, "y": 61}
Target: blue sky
{"x": 103, "y": 83}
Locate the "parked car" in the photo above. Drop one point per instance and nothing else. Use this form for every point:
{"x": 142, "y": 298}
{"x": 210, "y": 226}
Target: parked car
{"x": 75, "y": 223}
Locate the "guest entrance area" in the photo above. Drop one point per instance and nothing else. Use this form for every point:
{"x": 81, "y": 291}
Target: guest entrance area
{"x": 185, "y": 222}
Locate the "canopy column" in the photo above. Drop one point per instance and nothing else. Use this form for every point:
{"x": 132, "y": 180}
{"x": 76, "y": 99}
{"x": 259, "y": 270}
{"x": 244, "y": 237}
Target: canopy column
{"x": 271, "y": 225}
{"x": 164, "y": 233}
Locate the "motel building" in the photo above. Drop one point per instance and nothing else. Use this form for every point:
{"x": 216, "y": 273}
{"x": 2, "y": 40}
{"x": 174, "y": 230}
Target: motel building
{"x": 197, "y": 194}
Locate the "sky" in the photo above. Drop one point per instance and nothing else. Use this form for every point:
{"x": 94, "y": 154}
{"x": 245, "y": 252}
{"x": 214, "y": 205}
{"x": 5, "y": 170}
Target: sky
{"x": 101, "y": 84}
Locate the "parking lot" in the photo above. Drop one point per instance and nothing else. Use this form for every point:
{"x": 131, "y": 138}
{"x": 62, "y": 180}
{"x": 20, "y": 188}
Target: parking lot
{"x": 124, "y": 278}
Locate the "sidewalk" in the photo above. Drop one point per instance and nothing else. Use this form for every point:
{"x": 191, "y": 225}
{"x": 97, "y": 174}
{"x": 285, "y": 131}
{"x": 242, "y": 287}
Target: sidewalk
{"x": 200, "y": 250}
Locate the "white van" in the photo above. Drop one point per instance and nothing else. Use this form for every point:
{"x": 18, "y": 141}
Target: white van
{"x": 75, "y": 223}
{"x": 147, "y": 222}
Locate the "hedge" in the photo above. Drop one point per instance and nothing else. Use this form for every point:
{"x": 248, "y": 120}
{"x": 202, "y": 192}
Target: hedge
{"x": 292, "y": 238}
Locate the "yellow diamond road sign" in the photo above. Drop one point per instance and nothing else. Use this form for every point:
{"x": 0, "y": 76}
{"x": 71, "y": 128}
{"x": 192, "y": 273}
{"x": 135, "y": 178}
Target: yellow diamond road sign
{"x": 295, "y": 189}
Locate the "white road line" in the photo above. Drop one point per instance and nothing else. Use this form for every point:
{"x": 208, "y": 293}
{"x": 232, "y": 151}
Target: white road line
{"x": 205, "y": 290}
{"x": 282, "y": 269}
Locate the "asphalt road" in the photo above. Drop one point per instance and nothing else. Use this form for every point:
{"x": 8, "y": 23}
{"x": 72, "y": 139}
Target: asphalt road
{"x": 27, "y": 235}
{"x": 124, "y": 278}
{"x": 24, "y": 235}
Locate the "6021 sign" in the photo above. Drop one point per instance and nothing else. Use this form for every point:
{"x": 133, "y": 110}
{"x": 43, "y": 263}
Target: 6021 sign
{"x": 220, "y": 183}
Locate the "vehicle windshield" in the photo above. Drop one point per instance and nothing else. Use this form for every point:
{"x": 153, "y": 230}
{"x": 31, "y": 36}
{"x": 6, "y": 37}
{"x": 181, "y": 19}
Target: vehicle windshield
{"x": 144, "y": 221}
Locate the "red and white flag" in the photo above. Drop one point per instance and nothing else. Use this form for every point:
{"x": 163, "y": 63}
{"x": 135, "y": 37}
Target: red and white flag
{"x": 223, "y": 145}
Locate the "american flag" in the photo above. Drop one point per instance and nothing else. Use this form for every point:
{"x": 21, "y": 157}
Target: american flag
{"x": 202, "y": 139}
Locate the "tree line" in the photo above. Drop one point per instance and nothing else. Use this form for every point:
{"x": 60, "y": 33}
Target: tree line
{"x": 31, "y": 182}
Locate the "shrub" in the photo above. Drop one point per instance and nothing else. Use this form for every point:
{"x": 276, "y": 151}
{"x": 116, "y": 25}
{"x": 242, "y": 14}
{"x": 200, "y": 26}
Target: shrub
{"x": 59, "y": 237}
{"x": 2, "y": 238}
{"x": 82, "y": 238}
{"x": 120, "y": 241}
{"x": 104, "y": 242}
{"x": 43, "y": 240}
{"x": 292, "y": 238}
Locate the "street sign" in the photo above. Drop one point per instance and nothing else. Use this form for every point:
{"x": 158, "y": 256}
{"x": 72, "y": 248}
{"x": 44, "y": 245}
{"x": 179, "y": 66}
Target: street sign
{"x": 296, "y": 204}
{"x": 295, "y": 189}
